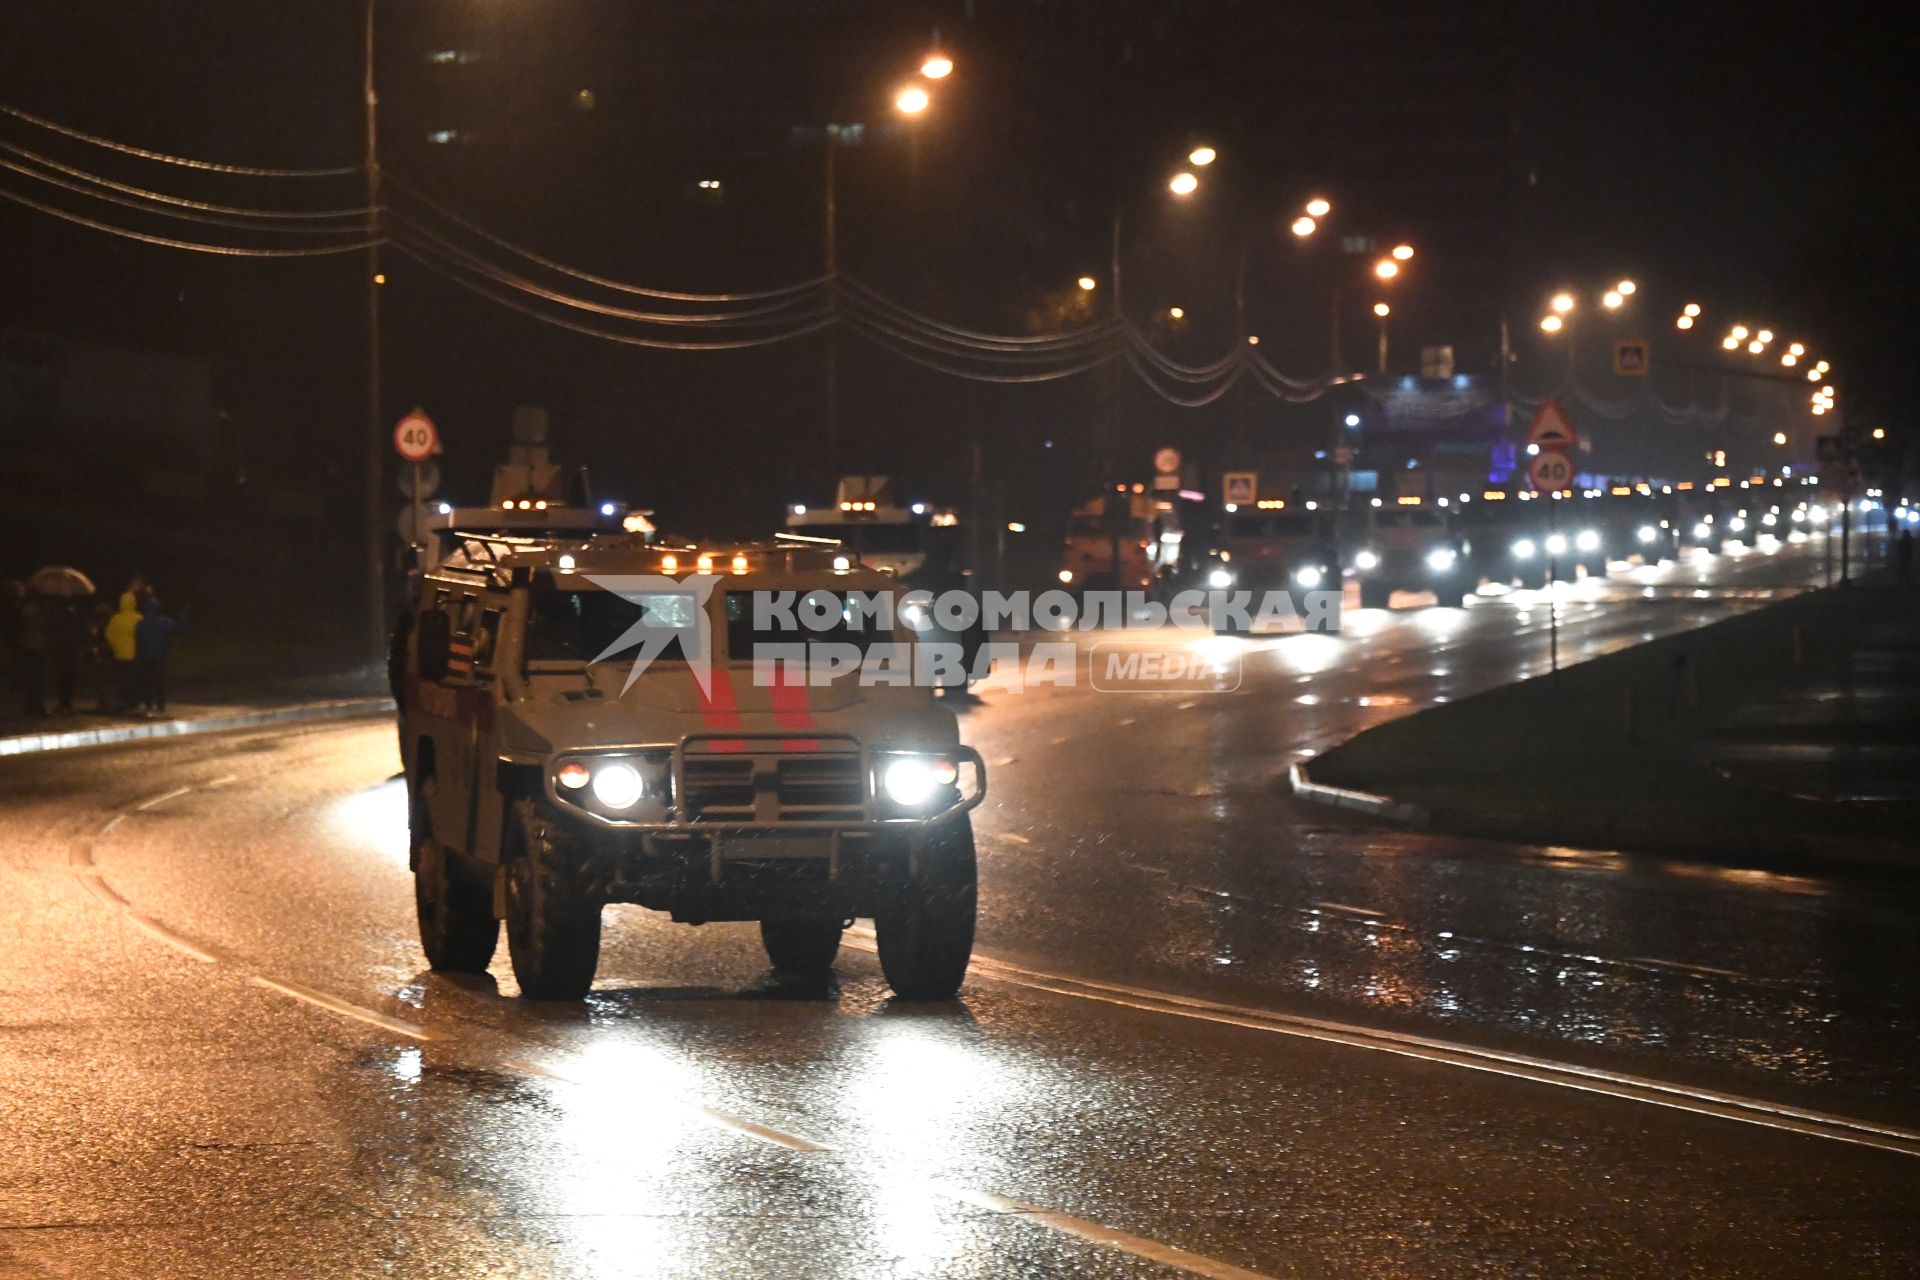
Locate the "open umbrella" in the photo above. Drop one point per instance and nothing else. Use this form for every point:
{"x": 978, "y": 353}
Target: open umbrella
{"x": 60, "y": 580}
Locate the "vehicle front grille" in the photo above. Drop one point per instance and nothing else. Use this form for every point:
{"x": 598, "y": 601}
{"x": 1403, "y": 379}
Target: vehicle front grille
{"x": 776, "y": 787}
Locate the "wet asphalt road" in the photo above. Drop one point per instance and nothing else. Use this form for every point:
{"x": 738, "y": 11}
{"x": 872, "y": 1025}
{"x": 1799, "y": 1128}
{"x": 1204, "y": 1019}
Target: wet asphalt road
{"x": 220, "y": 1053}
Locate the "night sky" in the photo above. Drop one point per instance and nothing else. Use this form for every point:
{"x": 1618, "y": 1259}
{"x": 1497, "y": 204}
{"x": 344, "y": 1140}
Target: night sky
{"x": 1762, "y": 167}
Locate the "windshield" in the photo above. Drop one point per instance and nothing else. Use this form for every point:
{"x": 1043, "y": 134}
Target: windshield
{"x": 582, "y": 625}
{"x": 1409, "y": 518}
{"x": 817, "y": 617}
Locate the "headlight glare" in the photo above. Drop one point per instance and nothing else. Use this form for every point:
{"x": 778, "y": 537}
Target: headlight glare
{"x": 1647, "y": 533}
{"x": 1366, "y": 560}
{"x": 1220, "y": 579}
{"x": 1524, "y": 549}
{"x": 618, "y": 785}
{"x": 1441, "y": 559}
{"x": 1556, "y": 544}
{"x": 1587, "y": 540}
{"x": 910, "y": 781}
{"x": 1307, "y": 575}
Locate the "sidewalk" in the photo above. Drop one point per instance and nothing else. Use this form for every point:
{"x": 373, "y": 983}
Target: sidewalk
{"x": 204, "y": 711}
{"x": 1787, "y": 736}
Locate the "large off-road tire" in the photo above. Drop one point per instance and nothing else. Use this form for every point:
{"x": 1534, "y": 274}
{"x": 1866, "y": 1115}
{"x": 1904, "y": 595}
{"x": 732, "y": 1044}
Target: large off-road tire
{"x": 457, "y": 928}
{"x": 801, "y": 946}
{"x": 553, "y": 913}
{"x": 1375, "y": 594}
{"x": 925, "y": 936}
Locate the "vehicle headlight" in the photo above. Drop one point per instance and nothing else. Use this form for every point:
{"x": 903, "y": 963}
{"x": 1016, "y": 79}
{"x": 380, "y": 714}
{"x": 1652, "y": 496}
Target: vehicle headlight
{"x": 1524, "y": 549}
{"x": 617, "y": 785}
{"x": 1366, "y": 560}
{"x": 911, "y": 781}
{"x": 1647, "y": 533}
{"x": 1441, "y": 559}
{"x": 916, "y": 615}
{"x": 1556, "y": 544}
{"x": 1737, "y": 524}
{"x": 1307, "y": 575}
{"x": 1769, "y": 519}
{"x": 1703, "y": 530}
{"x": 1587, "y": 540}
{"x": 1066, "y": 575}
{"x": 1220, "y": 579}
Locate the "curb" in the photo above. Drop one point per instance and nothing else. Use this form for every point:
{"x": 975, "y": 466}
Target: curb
{"x": 1381, "y": 807}
{"x": 340, "y": 709}
{"x": 1735, "y": 846}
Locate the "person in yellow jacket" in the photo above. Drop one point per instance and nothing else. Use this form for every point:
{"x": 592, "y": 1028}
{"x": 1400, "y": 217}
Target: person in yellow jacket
{"x": 120, "y": 631}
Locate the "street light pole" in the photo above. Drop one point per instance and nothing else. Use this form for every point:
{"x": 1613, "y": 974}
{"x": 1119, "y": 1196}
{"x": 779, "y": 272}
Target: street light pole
{"x": 376, "y": 602}
{"x": 830, "y": 221}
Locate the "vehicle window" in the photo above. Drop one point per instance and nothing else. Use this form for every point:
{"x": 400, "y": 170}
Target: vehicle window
{"x": 855, "y": 624}
{"x": 581, "y": 625}
{"x": 879, "y": 539}
{"x": 1409, "y": 518}
{"x": 1271, "y": 526}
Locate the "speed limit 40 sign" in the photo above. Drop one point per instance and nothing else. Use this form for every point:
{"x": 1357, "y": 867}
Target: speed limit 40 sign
{"x": 415, "y": 438}
{"x": 1550, "y": 471}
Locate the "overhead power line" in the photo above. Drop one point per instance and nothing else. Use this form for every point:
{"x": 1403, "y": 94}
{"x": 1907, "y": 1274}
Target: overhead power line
{"x": 194, "y": 246}
{"x": 161, "y": 157}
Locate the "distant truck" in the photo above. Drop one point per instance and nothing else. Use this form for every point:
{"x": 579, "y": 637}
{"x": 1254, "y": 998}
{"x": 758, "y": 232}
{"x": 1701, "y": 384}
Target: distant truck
{"x": 868, "y": 520}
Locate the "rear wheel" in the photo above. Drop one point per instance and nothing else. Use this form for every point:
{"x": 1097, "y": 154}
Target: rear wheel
{"x": 801, "y": 946}
{"x": 1375, "y": 594}
{"x": 1450, "y": 595}
{"x": 457, "y": 928}
{"x": 925, "y": 938}
{"x": 553, "y": 914}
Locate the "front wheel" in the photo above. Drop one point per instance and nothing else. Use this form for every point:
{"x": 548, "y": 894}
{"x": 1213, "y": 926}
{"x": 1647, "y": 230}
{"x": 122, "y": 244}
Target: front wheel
{"x": 925, "y": 937}
{"x": 1450, "y": 595}
{"x": 457, "y": 928}
{"x": 553, "y": 915}
{"x": 801, "y": 946}
{"x": 1375, "y": 594}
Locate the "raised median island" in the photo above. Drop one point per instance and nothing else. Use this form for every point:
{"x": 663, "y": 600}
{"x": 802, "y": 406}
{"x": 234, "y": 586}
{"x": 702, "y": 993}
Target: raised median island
{"x": 1788, "y": 735}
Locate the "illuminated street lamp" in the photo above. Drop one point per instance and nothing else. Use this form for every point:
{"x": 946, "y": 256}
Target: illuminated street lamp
{"x": 1765, "y": 336}
{"x": 1879, "y": 433}
{"x": 938, "y": 66}
{"x": 1552, "y": 323}
{"x": 1176, "y": 313}
{"x": 1788, "y": 359}
{"x": 1201, "y": 157}
{"x": 1087, "y": 284}
{"x": 1183, "y": 184}
{"x": 1318, "y": 207}
{"x": 1304, "y": 226}
{"x": 1691, "y": 309}
{"x": 1779, "y": 437}
{"x": 1756, "y": 347}
{"x": 912, "y": 100}
{"x": 1402, "y": 252}
{"x": 1612, "y": 299}
{"x": 1730, "y": 342}
{"x": 1684, "y": 322}
{"x": 1738, "y": 333}
{"x": 1382, "y": 310}
{"x": 1813, "y": 375}
{"x": 1821, "y": 366}
{"x": 1625, "y": 288}
{"x": 1386, "y": 268}
{"x": 1562, "y": 303}
{"x": 1796, "y": 349}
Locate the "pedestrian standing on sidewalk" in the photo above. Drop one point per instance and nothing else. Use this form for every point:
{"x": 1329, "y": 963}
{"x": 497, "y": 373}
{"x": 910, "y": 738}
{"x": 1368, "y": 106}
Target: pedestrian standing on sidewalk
{"x": 151, "y": 641}
{"x": 121, "y": 631}
{"x": 27, "y": 637}
{"x": 66, "y": 647}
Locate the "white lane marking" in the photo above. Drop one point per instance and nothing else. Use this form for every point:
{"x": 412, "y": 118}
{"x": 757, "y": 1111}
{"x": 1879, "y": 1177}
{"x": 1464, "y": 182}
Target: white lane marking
{"x": 1014, "y": 838}
{"x": 1565, "y": 1075}
{"x": 1095, "y": 1233}
{"x": 1004, "y": 761}
{"x": 1677, "y": 966}
{"x": 162, "y": 798}
{"x": 706, "y": 1115}
{"x": 221, "y": 781}
{"x": 1187, "y": 706}
{"x": 1056, "y": 742}
{"x": 1352, "y": 911}
{"x": 346, "y": 1009}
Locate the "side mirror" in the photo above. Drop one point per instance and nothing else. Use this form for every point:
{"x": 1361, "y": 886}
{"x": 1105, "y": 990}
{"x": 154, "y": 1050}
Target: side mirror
{"x": 433, "y": 645}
